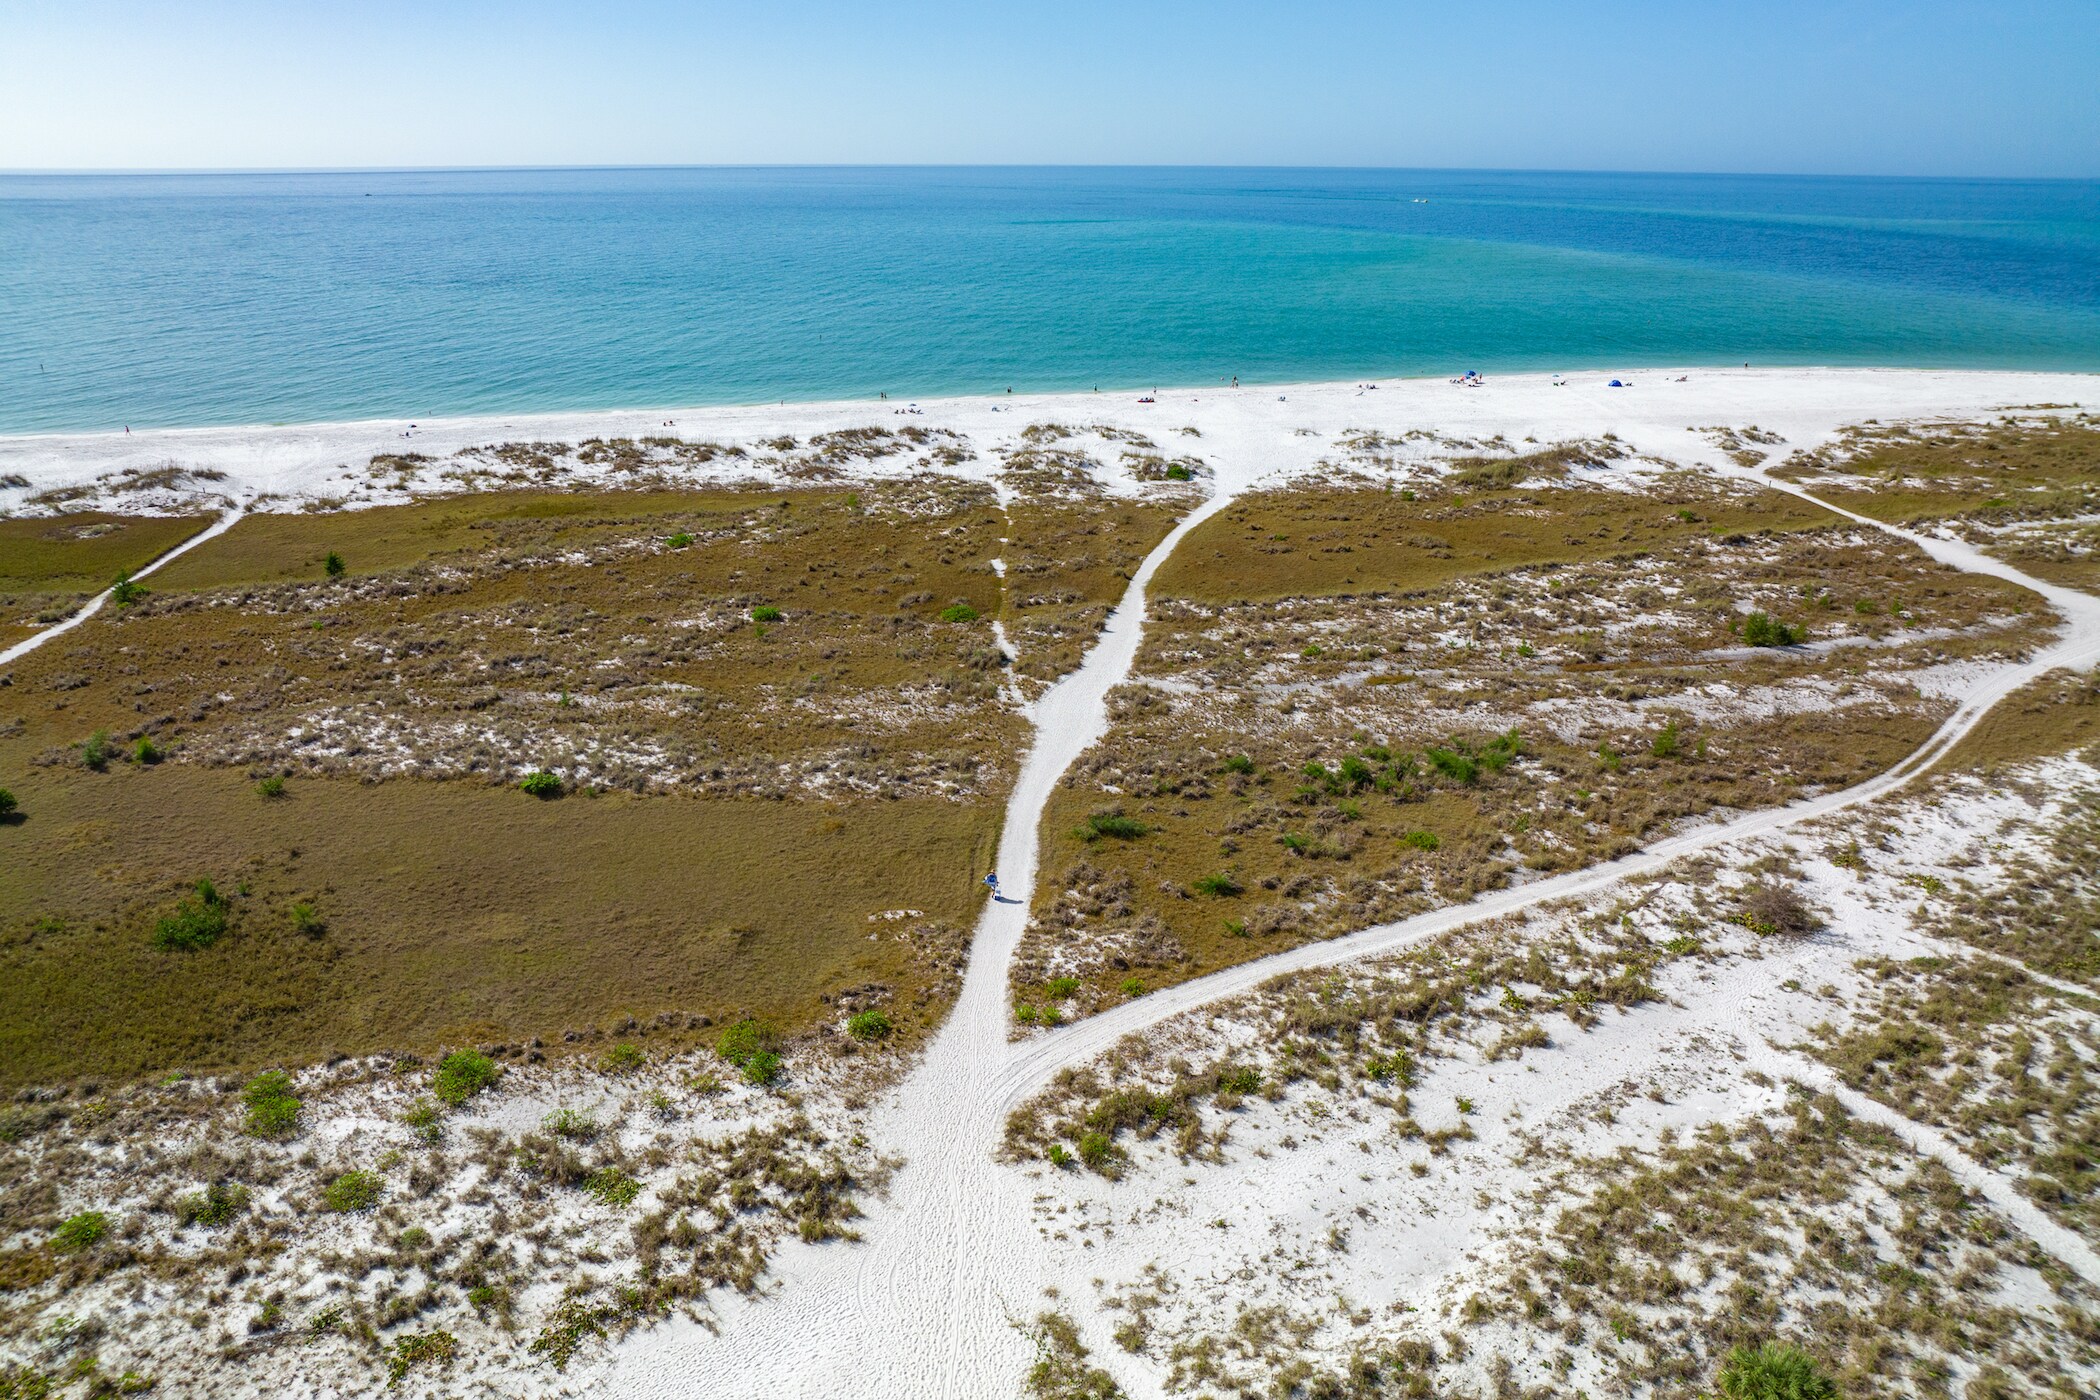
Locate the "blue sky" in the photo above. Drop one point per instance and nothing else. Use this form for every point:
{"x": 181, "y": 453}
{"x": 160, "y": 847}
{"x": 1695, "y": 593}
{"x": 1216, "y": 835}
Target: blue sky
{"x": 1927, "y": 87}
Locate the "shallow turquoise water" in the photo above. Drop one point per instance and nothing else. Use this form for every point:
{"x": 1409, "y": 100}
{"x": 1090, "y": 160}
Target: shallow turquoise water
{"x": 194, "y": 299}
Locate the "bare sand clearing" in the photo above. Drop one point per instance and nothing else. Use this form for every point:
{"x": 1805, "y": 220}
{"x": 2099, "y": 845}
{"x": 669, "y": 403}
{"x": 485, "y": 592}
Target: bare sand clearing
{"x": 936, "y": 1300}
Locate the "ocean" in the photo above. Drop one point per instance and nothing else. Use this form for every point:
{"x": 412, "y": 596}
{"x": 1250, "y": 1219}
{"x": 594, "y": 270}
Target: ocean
{"x": 165, "y": 300}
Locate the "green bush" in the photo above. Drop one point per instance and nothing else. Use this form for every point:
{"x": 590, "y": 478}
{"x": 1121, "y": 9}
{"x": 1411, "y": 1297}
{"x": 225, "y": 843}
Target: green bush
{"x": 461, "y": 1075}
{"x": 7, "y": 804}
{"x": 1759, "y": 630}
{"x": 1668, "y": 741}
{"x": 417, "y": 1348}
{"x": 1061, "y": 987}
{"x": 1177, "y": 472}
{"x": 353, "y": 1191}
{"x": 872, "y": 1024}
{"x": 762, "y": 1068}
{"x": 680, "y": 540}
{"x": 307, "y": 920}
{"x": 198, "y": 922}
{"x": 958, "y": 612}
{"x": 1219, "y": 886}
{"x": 272, "y": 786}
{"x": 1026, "y": 1014}
{"x": 572, "y": 1126}
{"x": 1097, "y": 1150}
{"x": 1420, "y": 841}
{"x": 1239, "y": 1079}
{"x": 621, "y": 1059}
{"x": 1239, "y": 763}
{"x": 1133, "y": 987}
{"x": 82, "y": 1231}
{"x": 215, "y": 1205}
{"x": 766, "y": 612}
{"x": 123, "y": 592}
{"x": 612, "y": 1187}
{"x": 1059, "y": 1156}
{"x": 741, "y": 1041}
{"x": 145, "y": 752}
{"x": 541, "y": 784}
{"x": 1773, "y": 1371}
{"x": 333, "y": 565}
{"x": 1111, "y": 823}
{"x": 1452, "y": 764}
{"x": 273, "y": 1109}
{"x": 95, "y": 752}
{"x": 425, "y": 1119}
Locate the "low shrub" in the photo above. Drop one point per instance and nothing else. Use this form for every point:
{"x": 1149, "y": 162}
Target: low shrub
{"x": 1762, "y": 630}
{"x": 1458, "y": 767}
{"x": 762, "y": 1068}
{"x": 215, "y": 1205}
{"x": 958, "y": 612}
{"x": 1097, "y": 1150}
{"x": 333, "y": 565}
{"x": 766, "y": 613}
{"x": 1420, "y": 841}
{"x": 1133, "y": 987}
{"x": 95, "y": 752}
{"x": 1668, "y": 740}
{"x": 145, "y": 752}
{"x": 418, "y": 1348}
{"x": 1239, "y": 1079}
{"x": 541, "y": 784}
{"x": 749, "y": 1046}
{"x": 1773, "y": 1371}
{"x": 272, "y": 786}
{"x": 1061, "y": 987}
{"x": 425, "y": 1119}
{"x": 612, "y": 1187}
{"x": 123, "y": 592}
{"x": 872, "y": 1024}
{"x": 307, "y": 920}
{"x": 621, "y": 1059}
{"x": 571, "y": 1125}
{"x": 1239, "y": 763}
{"x": 8, "y": 804}
{"x": 198, "y": 922}
{"x": 1219, "y": 886}
{"x": 79, "y": 1232}
{"x": 1770, "y": 908}
{"x": 1059, "y": 1155}
{"x": 461, "y": 1075}
{"x": 1111, "y": 823}
{"x": 353, "y": 1191}
{"x": 273, "y": 1109}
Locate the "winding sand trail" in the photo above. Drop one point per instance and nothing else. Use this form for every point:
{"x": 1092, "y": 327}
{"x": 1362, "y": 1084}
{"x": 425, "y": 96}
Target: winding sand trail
{"x": 218, "y": 527}
{"x": 937, "y": 1300}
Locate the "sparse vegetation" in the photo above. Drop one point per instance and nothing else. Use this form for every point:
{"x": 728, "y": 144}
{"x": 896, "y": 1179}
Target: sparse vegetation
{"x": 199, "y": 921}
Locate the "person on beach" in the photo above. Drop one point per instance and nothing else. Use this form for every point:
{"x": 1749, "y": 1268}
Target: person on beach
{"x": 991, "y": 882}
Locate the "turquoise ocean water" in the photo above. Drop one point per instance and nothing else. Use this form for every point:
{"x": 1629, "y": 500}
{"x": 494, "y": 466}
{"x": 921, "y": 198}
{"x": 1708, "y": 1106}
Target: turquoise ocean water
{"x": 263, "y": 298}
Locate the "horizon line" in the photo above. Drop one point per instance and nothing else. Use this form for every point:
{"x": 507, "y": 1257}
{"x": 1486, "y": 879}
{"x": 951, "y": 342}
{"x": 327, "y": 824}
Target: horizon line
{"x": 667, "y": 166}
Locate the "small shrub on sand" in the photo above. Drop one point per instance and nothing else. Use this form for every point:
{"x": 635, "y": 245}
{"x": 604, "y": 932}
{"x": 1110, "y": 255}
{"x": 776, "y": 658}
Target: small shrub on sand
{"x": 425, "y": 1119}
{"x": 418, "y": 1348}
{"x": 541, "y": 784}
{"x": 765, "y": 612}
{"x": 217, "y": 1204}
{"x": 1762, "y": 630}
{"x": 621, "y": 1059}
{"x": 1420, "y": 841}
{"x": 872, "y": 1024}
{"x": 1769, "y": 908}
{"x": 1239, "y": 763}
{"x": 1132, "y": 987}
{"x": 958, "y": 612}
{"x": 1773, "y": 1371}
{"x": 198, "y": 922}
{"x": 1668, "y": 740}
{"x": 273, "y": 1109}
{"x": 146, "y": 753}
{"x": 461, "y": 1075}
{"x": 750, "y": 1047}
{"x": 572, "y": 1126}
{"x": 79, "y": 1232}
{"x": 1098, "y": 1151}
{"x": 612, "y": 1187}
{"x": 680, "y": 540}
{"x": 353, "y": 1191}
{"x": 1061, "y": 987}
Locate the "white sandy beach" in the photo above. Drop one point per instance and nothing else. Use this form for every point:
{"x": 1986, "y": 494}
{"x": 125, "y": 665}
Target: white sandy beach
{"x": 1247, "y": 433}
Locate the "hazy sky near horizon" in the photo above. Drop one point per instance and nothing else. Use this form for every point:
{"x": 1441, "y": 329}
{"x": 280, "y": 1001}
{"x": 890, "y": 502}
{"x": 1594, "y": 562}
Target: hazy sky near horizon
{"x": 1928, "y": 87}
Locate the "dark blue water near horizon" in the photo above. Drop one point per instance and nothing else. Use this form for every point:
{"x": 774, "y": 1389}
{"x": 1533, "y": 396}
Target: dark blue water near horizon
{"x": 186, "y": 299}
